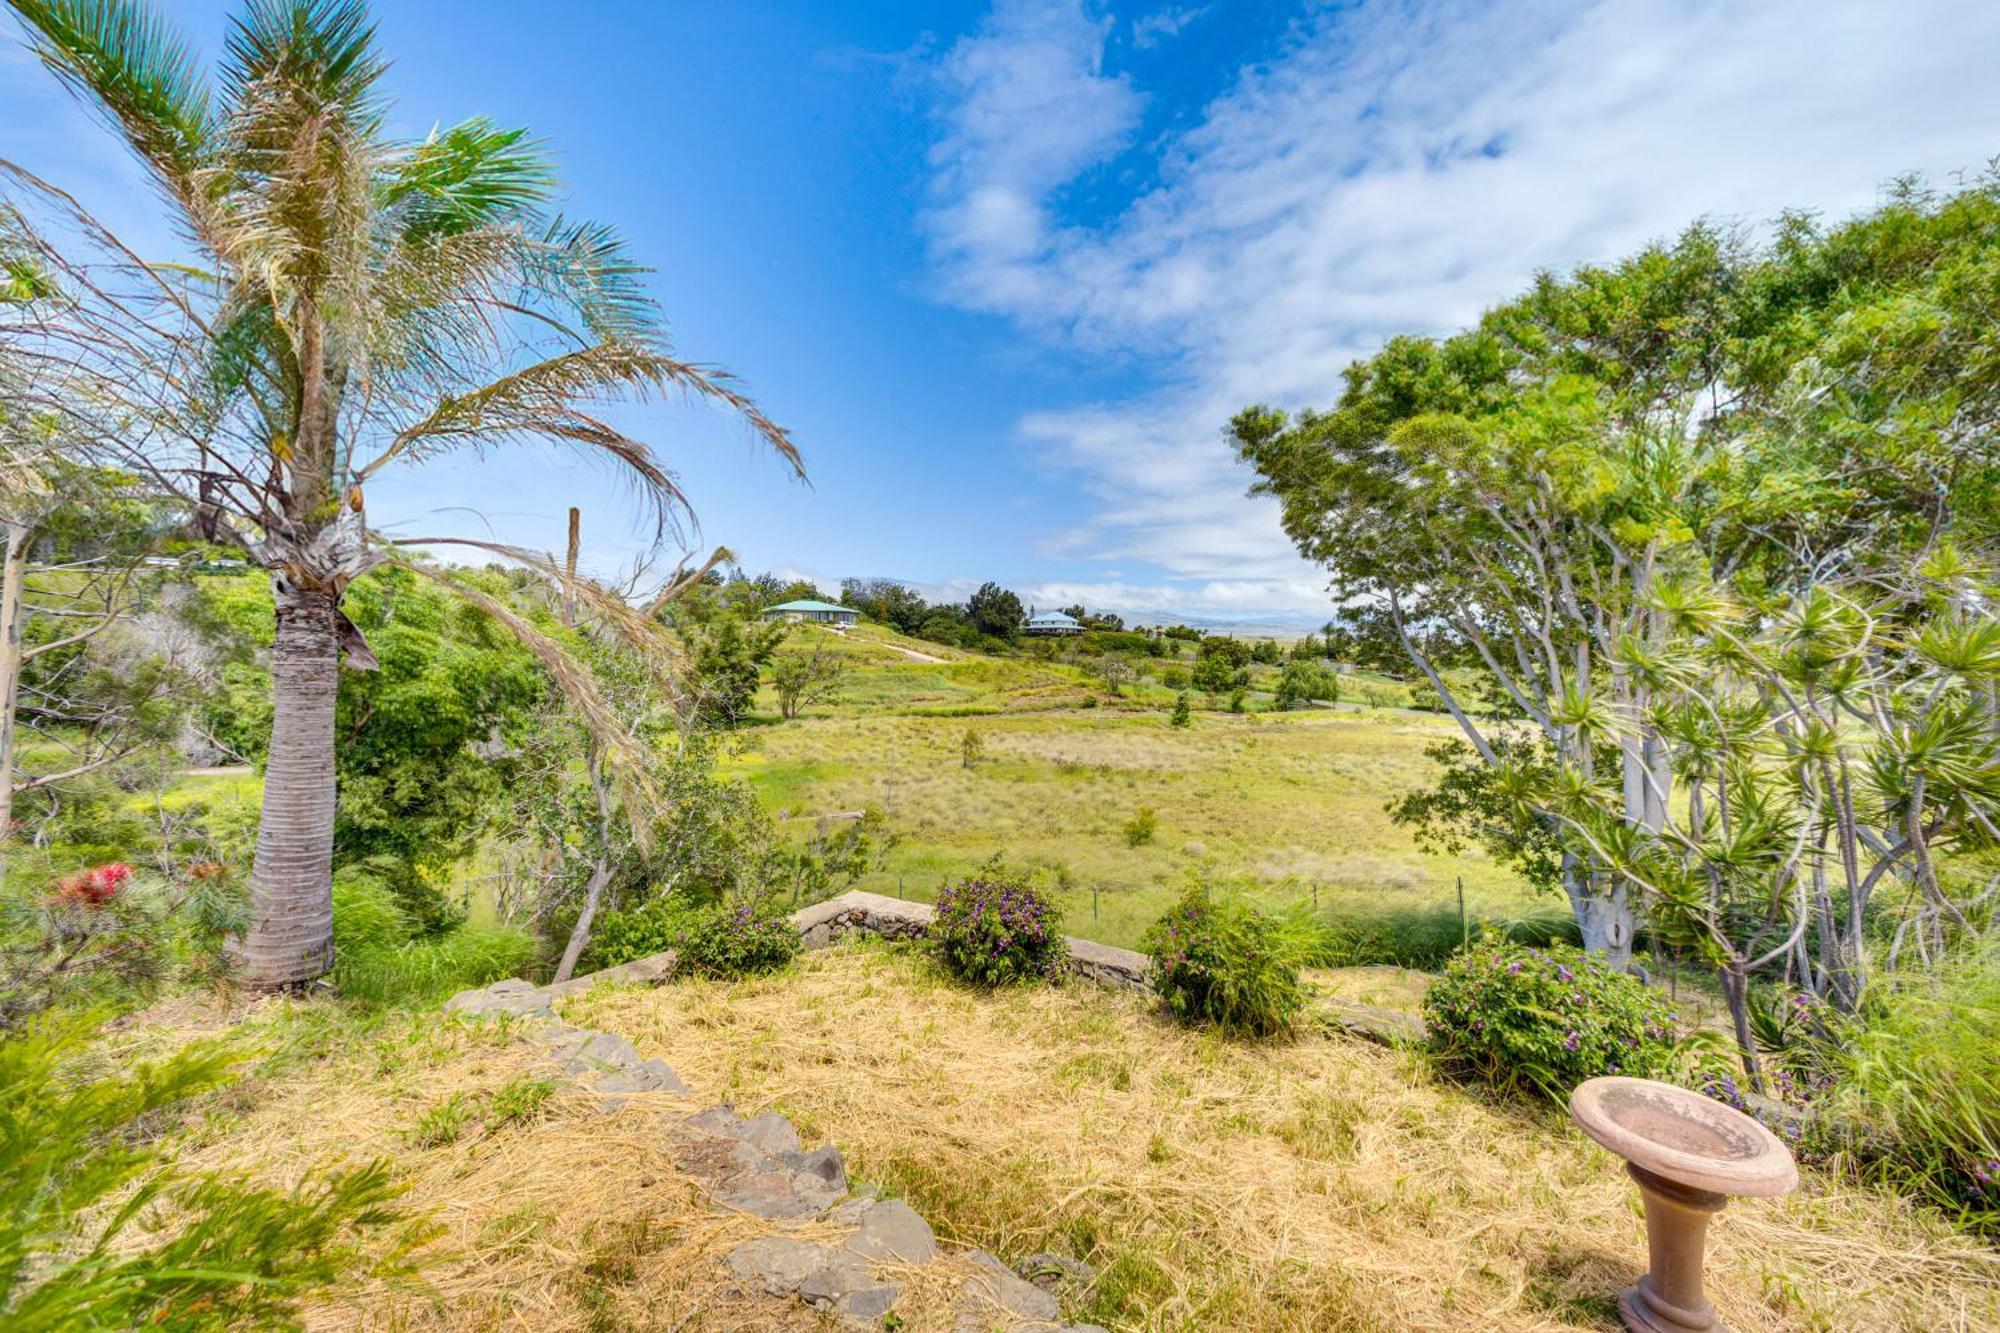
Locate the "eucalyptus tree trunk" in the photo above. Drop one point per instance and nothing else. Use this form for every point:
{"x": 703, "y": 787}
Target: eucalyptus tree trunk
{"x": 290, "y": 939}
{"x": 13, "y": 587}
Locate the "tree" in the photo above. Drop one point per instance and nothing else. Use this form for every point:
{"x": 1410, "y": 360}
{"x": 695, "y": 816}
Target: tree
{"x": 1679, "y": 511}
{"x": 887, "y": 601}
{"x": 1115, "y": 671}
{"x": 1181, "y": 716}
{"x": 1303, "y": 681}
{"x": 357, "y": 302}
{"x": 1214, "y": 673}
{"x": 726, "y": 656}
{"x": 995, "y": 612}
{"x": 804, "y": 678}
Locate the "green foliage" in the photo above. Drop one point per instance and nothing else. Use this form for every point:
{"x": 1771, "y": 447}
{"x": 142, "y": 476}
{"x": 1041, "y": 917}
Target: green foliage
{"x": 367, "y": 914}
{"x": 418, "y": 776}
{"x": 995, "y": 612}
{"x": 1303, "y": 681}
{"x": 59, "y": 948}
{"x": 1923, "y": 1075}
{"x": 971, "y": 747}
{"x": 1181, "y": 716}
{"x": 429, "y": 910}
{"x": 1141, "y": 827}
{"x": 430, "y": 968}
{"x": 727, "y": 655}
{"x": 80, "y": 1162}
{"x": 1425, "y": 939}
{"x": 997, "y": 929}
{"x": 1215, "y": 673}
{"x": 1546, "y": 1019}
{"x": 714, "y": 940}
{"x": 1217, "y": 960}
{"x": 1479, "y": 803}
{"x": 739, "y": 941}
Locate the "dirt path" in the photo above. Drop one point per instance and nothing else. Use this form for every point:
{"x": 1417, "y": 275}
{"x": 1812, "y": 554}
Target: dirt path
{"x": 916, "y": 656}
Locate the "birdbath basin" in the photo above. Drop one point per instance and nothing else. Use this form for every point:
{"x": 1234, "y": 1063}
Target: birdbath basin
{"x": 1689, "y": 1154}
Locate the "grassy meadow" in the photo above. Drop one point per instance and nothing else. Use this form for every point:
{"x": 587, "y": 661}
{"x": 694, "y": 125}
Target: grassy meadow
{"x": 1292, "y": 803}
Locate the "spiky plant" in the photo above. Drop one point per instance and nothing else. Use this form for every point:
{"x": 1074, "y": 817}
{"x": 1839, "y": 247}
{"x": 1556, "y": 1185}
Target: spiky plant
{"x": 356, "y": 301}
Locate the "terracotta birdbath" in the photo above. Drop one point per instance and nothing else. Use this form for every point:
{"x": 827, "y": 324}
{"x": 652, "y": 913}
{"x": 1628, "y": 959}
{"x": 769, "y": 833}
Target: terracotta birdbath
{"x": 1689, "y": 1154}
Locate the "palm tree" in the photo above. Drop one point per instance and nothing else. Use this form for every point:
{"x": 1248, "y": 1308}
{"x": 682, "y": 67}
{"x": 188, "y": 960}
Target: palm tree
{"x": 356, "y": 302}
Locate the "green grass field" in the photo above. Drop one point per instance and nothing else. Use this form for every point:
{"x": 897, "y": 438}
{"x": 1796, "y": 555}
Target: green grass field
{"x": 1291, "y": 801}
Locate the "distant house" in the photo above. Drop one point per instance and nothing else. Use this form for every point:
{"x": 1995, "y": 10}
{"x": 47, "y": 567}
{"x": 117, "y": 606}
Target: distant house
{"x": 824, "y": 613}
{"x": 1054, "y": 622}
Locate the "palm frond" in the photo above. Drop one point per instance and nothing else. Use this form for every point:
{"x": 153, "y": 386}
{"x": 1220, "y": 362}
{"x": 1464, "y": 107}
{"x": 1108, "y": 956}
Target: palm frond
{"x": 542, "y": 401}
{"x": 469, "y": 176}
{"x": 583, "y": 267}
{"x": 322, "y": 48}
{"x": 127, "y": 62}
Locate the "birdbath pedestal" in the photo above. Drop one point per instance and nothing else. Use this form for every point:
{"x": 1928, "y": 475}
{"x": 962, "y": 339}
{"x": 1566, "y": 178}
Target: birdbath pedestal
{"x": 1689, "y": 1154}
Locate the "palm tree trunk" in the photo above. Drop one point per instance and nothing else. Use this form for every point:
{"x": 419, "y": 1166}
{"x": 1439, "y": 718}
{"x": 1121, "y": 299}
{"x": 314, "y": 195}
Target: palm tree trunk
{"x": 291, "y": 884}
{"x": 13, "y": 586}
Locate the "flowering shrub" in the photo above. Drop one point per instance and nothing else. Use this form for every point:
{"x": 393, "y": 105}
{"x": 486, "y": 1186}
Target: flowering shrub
{"x": 1218, "y": 960}
{"x": 726, "y": 941}
{"x": 1546, "y": 1019}
{"x": 717, "y": 940}
{"x": 993, "y": 930}
{"x": 96, "y": 886}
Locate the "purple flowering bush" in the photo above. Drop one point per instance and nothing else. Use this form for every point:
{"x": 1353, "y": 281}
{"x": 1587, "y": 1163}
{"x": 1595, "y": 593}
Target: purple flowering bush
{"x": 996, "y": 930}
{"x": 1546, "y": 1019}
{"x": 1219, "y": 961}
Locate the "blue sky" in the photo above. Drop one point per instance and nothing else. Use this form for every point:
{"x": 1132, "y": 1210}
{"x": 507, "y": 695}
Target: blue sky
{"x": 1007, "y": 268}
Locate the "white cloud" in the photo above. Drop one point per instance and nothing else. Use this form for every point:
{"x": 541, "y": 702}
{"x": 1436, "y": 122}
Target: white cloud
{"x": 1395, "y": 167}
{"x": 1150, "y": 30}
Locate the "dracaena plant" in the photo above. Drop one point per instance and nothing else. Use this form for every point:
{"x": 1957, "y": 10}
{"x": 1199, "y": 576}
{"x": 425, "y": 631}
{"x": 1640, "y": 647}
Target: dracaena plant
{"x": 351, "y": 303}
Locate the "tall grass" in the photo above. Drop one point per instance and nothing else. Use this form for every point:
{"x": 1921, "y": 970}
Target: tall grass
{"x": 1924, "y": 1077}
{"x": 1426, "y": 938}
{"x": 424, "y": 970}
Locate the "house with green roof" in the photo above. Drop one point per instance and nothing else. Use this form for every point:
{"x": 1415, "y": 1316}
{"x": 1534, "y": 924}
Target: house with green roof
{"x": 822, "y": 613}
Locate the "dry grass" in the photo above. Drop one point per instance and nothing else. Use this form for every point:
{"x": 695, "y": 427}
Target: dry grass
{"x": 1321, "y": 1185}
{"x": 561, "y": 1219}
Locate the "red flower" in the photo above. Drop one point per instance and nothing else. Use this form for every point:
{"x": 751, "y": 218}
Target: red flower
{"x": 96, "y": 886}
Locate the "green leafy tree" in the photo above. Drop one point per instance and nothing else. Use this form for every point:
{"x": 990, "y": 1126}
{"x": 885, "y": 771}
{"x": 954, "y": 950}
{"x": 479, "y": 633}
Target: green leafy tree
{"x": 995, "y": 612}
{"x": 804, "y": 678}
{"x": 1181, "y": 716}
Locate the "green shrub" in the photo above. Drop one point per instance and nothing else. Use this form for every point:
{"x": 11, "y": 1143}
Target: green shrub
{"x": 743, "y": 941}
{"x": 1546, "y": 1019}
{"x": 430, "y": 968}
{"x": 78, "y": 1173}
{"x": 1218, "y": 960}
{"x": 1922, "y": 1077}
{"x": 1181, "y": 716}
{"x": 712, "y": 940}
{"x": 639, "y": 932}
{"x": 996, "y": 929}
{"x": 1141, "y": 827}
